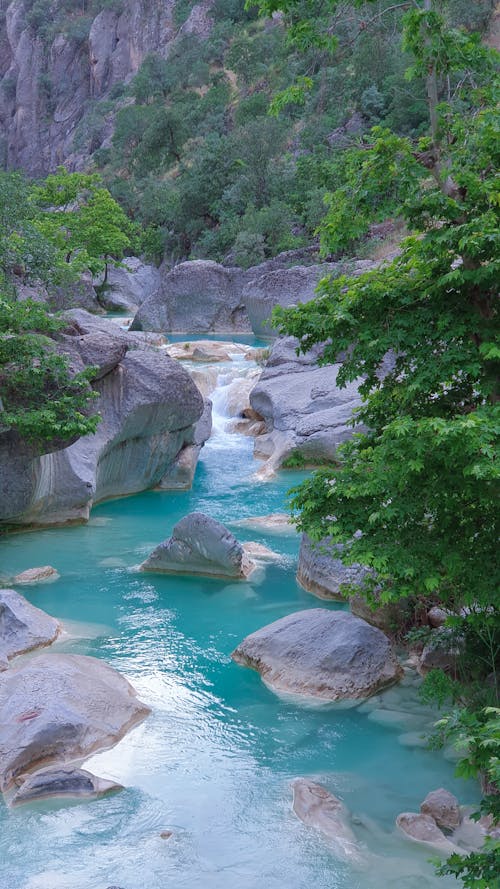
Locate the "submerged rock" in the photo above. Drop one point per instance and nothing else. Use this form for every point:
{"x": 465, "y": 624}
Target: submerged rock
{"x": 23, "y": 627}
{"x": 200, "y": 545}
{"x": 62, "y": 783}
{"x": 36, "y": 575}
{"x": 331, "y": 655}
{"x": 443, "y": 807}
{"x": 56, "y": 708}
{"x": 319, "y": 808}
{"x": 423, "y": 829}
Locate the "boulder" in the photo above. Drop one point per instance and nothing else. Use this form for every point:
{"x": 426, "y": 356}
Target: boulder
{"x": 439, "y": 653}
{"x": 437, "y": 616}
{"x": 330, "y": 655}
{"x": 23, "y": 627}
{"x": 149, "y": 407}
{"x": 56, "y": 708}
{"x": 199, "y": 296}
{"x": 271, "y": 287}
{"x": 205, "y": 351}
{"x": 128, "y": 285}
{"x": 62, "y": 783}
{"x": 320, "y": 573}
{"x": 180, "y": 476}
{"x": 319, "y": 808}
{"x": 36, "y": 575}
{"x": 389, "y": 617}
{"x": 200, "y": 545}
{"x": 443, "y": 806}
{"x": 304, "y": 410}
{"x": 280, "y": 287}
{"x": 277, "y": 522}
{"x": 423, "y": 829}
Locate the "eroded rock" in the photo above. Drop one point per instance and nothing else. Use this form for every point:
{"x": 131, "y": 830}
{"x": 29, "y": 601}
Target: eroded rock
{"x": 62, "y": 783}
{"x": 319, "y": 808}
{"x": 200, "y": 545}
{"x": 320, "y": 573}
{"x": 23, "y": 627}
{"x": 56, "y": 708}
{"x": 423, "y": 829}
{"x": 330, "y": 655}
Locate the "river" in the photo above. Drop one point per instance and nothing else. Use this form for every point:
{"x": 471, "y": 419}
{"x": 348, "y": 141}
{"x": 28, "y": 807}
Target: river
{"x": 214, "y": 761}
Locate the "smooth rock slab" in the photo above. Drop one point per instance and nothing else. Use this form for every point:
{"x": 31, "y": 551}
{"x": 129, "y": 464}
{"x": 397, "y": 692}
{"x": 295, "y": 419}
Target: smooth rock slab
{"x": 60, "y": 708}
{"x": 36, "y": 575}
{"x": 200, "y": 545}
{"x": 62, "y": 783}
{"x": 320, "y": 653}
{"x": 443, "y": 806}
{"x": 23, "y": 627}
{"x": 423, "y": 829}
{"x": 319, "y": 808}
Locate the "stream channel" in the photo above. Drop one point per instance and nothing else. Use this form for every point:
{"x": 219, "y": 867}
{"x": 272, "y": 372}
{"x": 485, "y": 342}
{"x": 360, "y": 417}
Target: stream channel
{"x": 214, "y": 761}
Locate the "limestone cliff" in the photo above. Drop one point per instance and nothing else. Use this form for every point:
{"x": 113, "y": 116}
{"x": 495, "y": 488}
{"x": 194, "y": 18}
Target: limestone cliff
{"x": 60, "y": 72}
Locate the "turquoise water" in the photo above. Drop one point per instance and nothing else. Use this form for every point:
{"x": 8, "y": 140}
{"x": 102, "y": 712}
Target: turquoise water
{"x": 214, "y": 761}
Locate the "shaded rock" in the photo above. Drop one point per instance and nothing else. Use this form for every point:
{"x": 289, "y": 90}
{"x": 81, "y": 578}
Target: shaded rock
{"x": 60, "y": 707}
{"x": 423, "y": 829}
{"x": 128, "y": 285}
{"x": 23, "y": 627}
{"x": 148, "y": 406}
{"x": 437, "y": 616}
{"x": 389, "y": 617}
{"x": 443, "y": 807}
{"x": 319, "y": 572}
{"x": 280, "y": 287}
{"x": 303, "y": 408}
{"x": 200, "y": 545}
{"x": 180, "y": 475}
{"x": 62, "y": 783}
{"x": 439, "y": 653}
{"x": 36, "y": 575}
{"x": 326, "y": 654}
{"x": 199, "y": 296}
{"x": 318, "y": 808}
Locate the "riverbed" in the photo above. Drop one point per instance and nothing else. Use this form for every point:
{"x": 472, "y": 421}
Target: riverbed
{"x": 214, "y": 761}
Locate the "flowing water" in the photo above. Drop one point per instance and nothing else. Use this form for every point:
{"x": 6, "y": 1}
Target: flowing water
{"x": 214, "y": 761}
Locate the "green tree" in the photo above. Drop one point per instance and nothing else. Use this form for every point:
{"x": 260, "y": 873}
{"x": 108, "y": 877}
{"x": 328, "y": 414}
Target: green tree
{"x": 103, "y": 230}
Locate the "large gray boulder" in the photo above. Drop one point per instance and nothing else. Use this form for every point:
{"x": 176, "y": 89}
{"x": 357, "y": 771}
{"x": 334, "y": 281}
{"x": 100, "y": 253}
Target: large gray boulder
{"x": 200, "y": 545}
{"x": 23, "y": 627}
{"x": 180, "y": 475}
{"x": 320, "y": 573}
{"x": 271, "y": 287}
{"x": 319, "y": 808}
{"x": 128, "y": 285}
{"x": 320, "y": 653}
{"x": 200, "y": 296}
{"x": 303, "y": 408}
{"x": 56, "y": 708}
{"x": 149, "y": 407}
{"x": 62, "y": 782}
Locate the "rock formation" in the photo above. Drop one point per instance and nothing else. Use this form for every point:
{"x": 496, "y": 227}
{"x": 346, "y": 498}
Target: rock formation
{"x": 36, "y": 575}
{"x": 128, "y": 285}
{"x": 56, "y": 708}
{"x": 149, "y": 409}
{"x": 200, "y": 545}
{"x": 302, "y": 406}
{"x": 330, "y": 655}
{"x": 23, "y": 627}
{"x": 423, "y": 829}
{"x": 443, "y": 807}
{"x": 319, "y": 808}
{"x": 320, "y": 573}
{"x": 62, "y": 782}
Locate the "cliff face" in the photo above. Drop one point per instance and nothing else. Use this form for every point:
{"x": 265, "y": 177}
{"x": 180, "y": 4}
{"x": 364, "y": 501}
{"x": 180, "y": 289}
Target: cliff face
{"x": 55, "y": 74}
